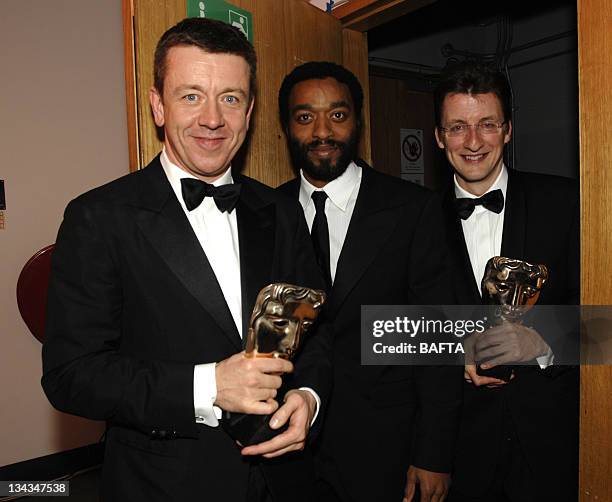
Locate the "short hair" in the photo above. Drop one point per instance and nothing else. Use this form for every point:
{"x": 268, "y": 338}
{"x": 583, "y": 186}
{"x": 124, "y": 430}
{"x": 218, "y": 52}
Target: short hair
{"x": 318, "y": 70}
{"x": 472, "y": 78}
{"x": 210, "y": 35}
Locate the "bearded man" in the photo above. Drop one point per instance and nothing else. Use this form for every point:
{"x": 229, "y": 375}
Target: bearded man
{"x": 379, "y": 241}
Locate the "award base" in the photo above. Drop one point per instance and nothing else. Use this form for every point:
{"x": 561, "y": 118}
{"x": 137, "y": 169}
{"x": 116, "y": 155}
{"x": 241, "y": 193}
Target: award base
{"x": 502, "y": 372}
{"x": 249, "y": 429}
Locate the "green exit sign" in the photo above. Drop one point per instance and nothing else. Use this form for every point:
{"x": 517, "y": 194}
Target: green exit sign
{"x": 223, "y": 11}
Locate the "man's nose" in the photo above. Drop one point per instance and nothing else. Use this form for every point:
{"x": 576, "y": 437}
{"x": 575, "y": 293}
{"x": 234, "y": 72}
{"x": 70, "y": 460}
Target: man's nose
{"x": 322, "y": 128}
{"x": 211, "y": 115}
{"x": 473, "y": 139}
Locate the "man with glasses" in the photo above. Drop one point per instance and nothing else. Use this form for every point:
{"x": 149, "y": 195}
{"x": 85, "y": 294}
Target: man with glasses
{"x": 519, "y": 435}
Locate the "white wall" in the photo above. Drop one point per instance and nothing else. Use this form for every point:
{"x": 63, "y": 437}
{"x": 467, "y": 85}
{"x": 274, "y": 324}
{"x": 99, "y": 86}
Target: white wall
{"x": 62, "y": 106}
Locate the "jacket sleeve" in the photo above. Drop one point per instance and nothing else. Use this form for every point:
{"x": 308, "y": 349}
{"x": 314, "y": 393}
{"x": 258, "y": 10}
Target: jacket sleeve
{"x": 564, "y": 338}
{"x": 439, "y": 388}
{"x": 84, "y": 371}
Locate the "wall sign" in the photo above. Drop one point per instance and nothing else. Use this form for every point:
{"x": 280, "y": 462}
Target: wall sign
{"x": 223, "y": 11}
{"x": 412, "y": 167}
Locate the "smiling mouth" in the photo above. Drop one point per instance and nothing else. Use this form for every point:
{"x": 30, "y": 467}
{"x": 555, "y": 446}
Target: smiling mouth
{"x": 209, "y": 143}
{"x": 323, "y": 151}
{"x": 474, "y": 158}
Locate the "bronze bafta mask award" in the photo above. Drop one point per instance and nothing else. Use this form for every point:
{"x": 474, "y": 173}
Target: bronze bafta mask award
{"x": 511, "y": 287}
{"x": 282, "y": 314}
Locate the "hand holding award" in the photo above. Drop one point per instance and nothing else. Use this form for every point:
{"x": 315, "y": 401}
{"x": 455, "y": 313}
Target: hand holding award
{"x": 282, "y": 314}
{"x": 511, "y": 287}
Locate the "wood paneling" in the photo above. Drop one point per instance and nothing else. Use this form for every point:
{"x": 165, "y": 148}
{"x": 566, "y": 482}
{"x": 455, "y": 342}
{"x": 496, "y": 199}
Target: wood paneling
{"x": 151, "y": 20}
{"x": 283, "y": 39}
{"x": 286, "y": 34}
{"x": 355, "y": 58}
{"x": 595, "y": 75}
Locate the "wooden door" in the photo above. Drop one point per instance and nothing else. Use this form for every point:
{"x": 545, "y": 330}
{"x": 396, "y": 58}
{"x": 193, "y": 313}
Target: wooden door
{"x": 286, "y": 34}
{"x": 595, "y": 76}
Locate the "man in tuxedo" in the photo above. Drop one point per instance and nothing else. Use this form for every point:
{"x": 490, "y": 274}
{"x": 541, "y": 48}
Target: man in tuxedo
{"x": 518, "y": 439}
{"x": 154, "y": 276}
{"x": 379, "y": 241}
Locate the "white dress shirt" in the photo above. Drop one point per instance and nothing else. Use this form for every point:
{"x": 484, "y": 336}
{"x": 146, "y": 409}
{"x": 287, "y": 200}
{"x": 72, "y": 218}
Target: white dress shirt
{"x": 484, "y": 229}
{"x": 483, "y": 232}
{"x": 217, "y": 233}
{"x": 341, "y": 197}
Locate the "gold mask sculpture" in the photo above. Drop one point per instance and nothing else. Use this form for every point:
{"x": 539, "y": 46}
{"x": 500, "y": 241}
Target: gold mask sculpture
{"x": 512, "y": 284}
{"x": 281, "y": 316}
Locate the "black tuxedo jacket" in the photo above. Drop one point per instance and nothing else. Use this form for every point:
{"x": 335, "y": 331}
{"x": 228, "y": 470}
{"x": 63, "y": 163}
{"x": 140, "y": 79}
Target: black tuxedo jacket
{"x": 381, "y": 419}
{"x": 133, "y": 304}
{"x": 541, "y": 225}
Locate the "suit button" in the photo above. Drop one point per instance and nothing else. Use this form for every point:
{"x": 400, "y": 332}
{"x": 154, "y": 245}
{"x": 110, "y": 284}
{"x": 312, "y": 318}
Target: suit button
{"x": 153, "y": 433}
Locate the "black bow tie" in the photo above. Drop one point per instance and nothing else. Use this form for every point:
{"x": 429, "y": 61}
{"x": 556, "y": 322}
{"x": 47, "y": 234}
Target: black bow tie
{"x": 194, "y": 191}
{"x": 493, "y": 201}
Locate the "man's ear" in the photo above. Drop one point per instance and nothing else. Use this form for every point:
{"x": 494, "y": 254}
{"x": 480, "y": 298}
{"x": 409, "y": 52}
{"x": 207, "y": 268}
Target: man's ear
{"x": 508, "y": 133}
{"x": 250, "y": 111}
{"x": 157, "y": 106}
{"x": 439, "y": 139}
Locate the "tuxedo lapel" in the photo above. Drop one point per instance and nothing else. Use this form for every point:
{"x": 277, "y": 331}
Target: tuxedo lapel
{"x": 256, "y": 237}
{"x": 371, "y": 225}
{"x": 515, "y": 218}
{"x": 468, "y": 290}
{"x": 292, "y": 188}
{"x": 163, "y": 222}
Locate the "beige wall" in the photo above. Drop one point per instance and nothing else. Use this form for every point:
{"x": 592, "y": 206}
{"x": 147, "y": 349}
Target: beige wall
{"x": 62, "y": 106}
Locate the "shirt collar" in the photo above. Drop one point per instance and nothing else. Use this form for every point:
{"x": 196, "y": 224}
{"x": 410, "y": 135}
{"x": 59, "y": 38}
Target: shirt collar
{"x": 174, "y": 174}
{"x": 500, "y": 183}
{"x": 339, "y": 190}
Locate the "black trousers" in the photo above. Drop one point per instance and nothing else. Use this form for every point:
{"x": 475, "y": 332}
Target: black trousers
{"x": 257, "y": 490}
{"x": 513, "y": 480}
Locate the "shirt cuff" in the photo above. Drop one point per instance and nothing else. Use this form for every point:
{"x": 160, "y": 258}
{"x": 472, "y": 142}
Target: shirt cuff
{"x": 546, "y": 360}
{"x": 205, "y": 394}
{"x": 317, "y": 399}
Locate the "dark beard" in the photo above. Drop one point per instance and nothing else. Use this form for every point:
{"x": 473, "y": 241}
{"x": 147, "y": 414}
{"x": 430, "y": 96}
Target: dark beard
{"x": 325, "y": 170}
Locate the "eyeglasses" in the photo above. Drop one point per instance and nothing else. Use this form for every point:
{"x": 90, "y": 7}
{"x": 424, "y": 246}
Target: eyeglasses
{"x": 458, "y": 130}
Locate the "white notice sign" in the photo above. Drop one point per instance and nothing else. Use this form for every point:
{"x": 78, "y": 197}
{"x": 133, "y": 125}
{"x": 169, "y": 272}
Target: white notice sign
{"x": 411, "y": 141}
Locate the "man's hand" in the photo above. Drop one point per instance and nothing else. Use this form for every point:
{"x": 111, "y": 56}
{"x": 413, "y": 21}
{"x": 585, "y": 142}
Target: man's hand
{"x": 299, "y": 408}
{"x": 508, "y": 343}
{"x": 249, "y": 384}
{"x": 433, "y": 485}
{"x": 470, "y": 373}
